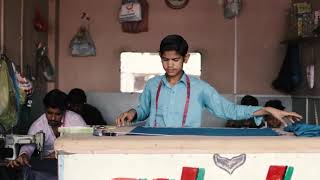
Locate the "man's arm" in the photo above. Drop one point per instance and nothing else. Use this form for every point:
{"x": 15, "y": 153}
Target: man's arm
{"x": 74, "y": 119}
{"x": 282, "y": 116}
{"x": 139, "y": 113}
{"x": 143, "y": 110}
{"x": 225, "y": 109}
{"x": 26, "y": 150}
{"x": 228, "y": 110}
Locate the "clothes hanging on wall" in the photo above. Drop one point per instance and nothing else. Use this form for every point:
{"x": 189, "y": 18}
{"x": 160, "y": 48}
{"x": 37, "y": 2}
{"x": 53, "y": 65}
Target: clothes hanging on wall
{"x": 43, "y": 63}
{"x": 13, "y": 92}
{"x": 8, "y": 110}
{"x": 290, "y": 75}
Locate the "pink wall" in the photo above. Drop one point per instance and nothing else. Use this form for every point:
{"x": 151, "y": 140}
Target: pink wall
{"x": 261, "y": 27}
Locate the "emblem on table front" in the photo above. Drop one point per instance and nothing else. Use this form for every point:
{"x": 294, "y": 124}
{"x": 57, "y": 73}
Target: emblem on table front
{"x": 229, "y": 165}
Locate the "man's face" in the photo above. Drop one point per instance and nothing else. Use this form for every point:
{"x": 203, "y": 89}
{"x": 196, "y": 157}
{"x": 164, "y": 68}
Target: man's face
{"x": 54, "y": 116}
{"x": 172, "y": 62}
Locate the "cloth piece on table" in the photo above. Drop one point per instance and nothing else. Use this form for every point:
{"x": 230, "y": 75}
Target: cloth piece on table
{"x": 204, "y": 131}
{"x": 301, "y": 129}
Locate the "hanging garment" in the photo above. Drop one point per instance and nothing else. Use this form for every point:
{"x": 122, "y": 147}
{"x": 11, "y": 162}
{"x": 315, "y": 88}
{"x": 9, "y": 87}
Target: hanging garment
{"x": 8, "y": 114}
{"x": 12, "y": 74}
{"x": 43, "y": 62}
{"x": 290, "y": 75}
{"x": 4, "y": 87}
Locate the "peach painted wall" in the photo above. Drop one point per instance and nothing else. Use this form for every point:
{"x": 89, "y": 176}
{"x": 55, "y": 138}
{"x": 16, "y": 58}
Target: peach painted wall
{"x": 261, "y": 27}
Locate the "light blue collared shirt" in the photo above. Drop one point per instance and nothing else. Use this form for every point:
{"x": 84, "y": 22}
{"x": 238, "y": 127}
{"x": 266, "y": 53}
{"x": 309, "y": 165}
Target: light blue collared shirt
{"x": 172, "y": 101}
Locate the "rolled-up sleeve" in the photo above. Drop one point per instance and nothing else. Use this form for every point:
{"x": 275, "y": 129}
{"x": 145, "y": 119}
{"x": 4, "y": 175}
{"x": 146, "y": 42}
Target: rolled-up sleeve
{"x": 223, "y": 108}
{"x": 143, "y": 109}
{"x": 28, "y": 149}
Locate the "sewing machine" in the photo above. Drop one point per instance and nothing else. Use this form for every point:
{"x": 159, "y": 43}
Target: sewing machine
{"x": 12, "y": 144}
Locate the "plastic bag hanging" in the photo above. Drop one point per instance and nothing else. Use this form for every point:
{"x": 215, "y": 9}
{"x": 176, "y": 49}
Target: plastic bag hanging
{"x": 82, "y": 44}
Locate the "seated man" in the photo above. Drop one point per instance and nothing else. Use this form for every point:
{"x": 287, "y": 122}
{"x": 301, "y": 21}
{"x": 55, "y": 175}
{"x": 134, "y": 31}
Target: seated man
{"x": 271, "y": 121}
{"x": 56, "y": 116}
{"x": 77, "y": 102}
{"x": 247, "y": 123}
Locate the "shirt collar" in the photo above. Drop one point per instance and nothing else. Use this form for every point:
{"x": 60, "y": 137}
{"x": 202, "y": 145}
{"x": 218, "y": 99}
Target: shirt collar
{"x": 183, "y": 79}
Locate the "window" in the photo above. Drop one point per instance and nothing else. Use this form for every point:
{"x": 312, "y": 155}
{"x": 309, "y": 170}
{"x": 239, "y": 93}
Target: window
{"x": 138, "y": 67}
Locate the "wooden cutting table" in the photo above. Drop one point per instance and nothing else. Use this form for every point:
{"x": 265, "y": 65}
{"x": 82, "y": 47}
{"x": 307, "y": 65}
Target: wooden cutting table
{"x": 84, "y": 156}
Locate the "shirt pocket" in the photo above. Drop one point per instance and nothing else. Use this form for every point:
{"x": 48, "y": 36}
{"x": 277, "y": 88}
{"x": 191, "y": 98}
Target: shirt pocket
{"x": 159, "y": 116}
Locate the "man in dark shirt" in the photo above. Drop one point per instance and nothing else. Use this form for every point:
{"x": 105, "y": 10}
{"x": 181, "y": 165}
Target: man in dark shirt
{"x": 246, "y": 123}
{"x": 271, "y": 121}
{"x": 77, "y": 102}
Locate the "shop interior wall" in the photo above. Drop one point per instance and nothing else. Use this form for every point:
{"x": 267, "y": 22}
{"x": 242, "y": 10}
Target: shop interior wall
{"x": 252, "y": 42}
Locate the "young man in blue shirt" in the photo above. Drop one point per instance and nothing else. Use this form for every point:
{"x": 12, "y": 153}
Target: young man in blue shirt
{"x": 177, "y": 100}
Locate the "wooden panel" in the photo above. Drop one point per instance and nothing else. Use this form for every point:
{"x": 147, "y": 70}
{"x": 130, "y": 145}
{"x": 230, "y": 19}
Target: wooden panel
{"x": 12, "y": 14}
{"x": 86, "y": 143}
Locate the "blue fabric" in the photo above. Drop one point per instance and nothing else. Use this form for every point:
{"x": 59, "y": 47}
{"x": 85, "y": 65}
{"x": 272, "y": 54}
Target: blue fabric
{"x": 301, "y": 129}
{"x": 172, "y": 101}
{"x": 204, "y": 131}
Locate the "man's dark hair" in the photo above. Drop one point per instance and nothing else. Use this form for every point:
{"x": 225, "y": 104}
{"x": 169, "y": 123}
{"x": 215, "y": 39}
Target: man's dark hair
{"x": 174, "y": 42}
{"x": 77, "y": 96}
{"x": 275, "y": 104}
{"x": 55, "y": 99}
{"x": 249, "y": 100}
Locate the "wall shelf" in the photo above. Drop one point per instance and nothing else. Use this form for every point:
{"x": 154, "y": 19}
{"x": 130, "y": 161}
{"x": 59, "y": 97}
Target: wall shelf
{"x": 298, "y": 40}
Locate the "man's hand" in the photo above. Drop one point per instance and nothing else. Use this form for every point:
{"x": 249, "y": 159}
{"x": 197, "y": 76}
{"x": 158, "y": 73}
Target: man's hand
{"x": 279, "y": 114}
{"x": 126, "y": 117}
{"x": 22, "y": 160}
{"x": 51, "y": 155}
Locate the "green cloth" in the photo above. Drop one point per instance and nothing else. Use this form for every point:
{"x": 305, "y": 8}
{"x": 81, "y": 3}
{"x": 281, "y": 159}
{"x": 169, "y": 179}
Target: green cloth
{"x": 8, "y": 114}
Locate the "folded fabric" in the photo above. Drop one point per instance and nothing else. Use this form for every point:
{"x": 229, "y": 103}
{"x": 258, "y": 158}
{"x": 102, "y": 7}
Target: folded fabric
{"x": 203, "y": 131}
{"x": 301, "y": 129}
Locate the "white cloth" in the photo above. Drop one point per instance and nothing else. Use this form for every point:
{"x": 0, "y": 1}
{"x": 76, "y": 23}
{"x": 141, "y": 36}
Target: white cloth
{"x": 41, "y": 124}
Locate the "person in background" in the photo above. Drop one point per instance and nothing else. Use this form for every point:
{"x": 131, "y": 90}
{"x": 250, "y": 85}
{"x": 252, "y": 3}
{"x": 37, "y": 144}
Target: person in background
{"x": 177, "y": 99}
{"x": 56, "y": 116}
{"x": 271, "y": 121}
{"x": 247, "y": 100}
{"x": 77, "y": 102}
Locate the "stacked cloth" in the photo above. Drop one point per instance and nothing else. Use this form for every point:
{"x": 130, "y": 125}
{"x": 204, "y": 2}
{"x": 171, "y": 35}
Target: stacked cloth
{"x": 301, "y": 129}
